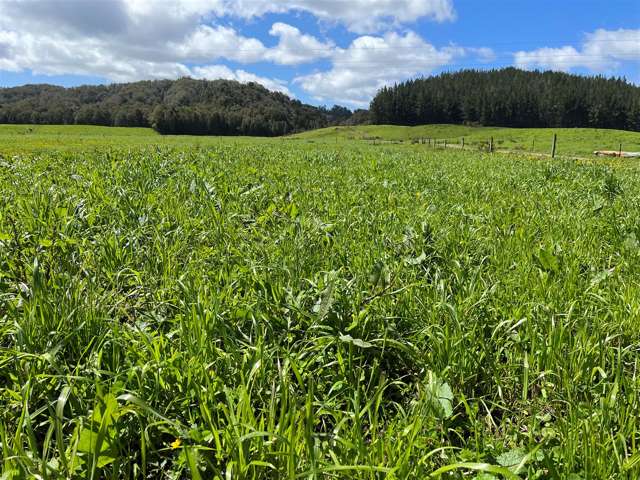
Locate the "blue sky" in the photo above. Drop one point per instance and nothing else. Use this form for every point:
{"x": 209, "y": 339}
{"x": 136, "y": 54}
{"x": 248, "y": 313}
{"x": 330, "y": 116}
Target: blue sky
{"x": 319, "y": 51}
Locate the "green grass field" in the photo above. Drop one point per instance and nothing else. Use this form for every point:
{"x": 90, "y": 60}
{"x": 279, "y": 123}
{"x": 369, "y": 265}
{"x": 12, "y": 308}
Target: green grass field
{"x": 266, "y": 309}
{"x": 18, "y": 139}
{"x": 571, "y": 141}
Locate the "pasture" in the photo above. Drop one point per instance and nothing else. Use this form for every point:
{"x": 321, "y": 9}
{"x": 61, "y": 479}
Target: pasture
{"x": 571, "y": 141}
{"x": 181, "y": 307}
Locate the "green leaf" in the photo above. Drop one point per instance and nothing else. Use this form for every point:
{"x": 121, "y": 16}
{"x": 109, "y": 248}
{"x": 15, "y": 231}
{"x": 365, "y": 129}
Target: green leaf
{"x": 445, "y": 398}
{"x": 485, "y": 476}
{"x": 548, "y": 261}
{"x": 323, "y": 305}
{"x": 632, "y": 462}
{"x": 440, "y": 396}
{"x": 598, "y": 206}
{"x": 293, "y": 211}
{"x": 192, "y": 461}
{"x": 380, "y": 275}
{"x": 600, "y": 277}
{"x": 88, "y": 444}
{"x": 478, "y": 467}
{"x": 355, "y": 341}
{"x": 87, "y": 441}
{"x": 516, "y": 458}
{"x": 512, "y": 458}
{"x": 417, "y": 260}
{"x": 104, "y": 460}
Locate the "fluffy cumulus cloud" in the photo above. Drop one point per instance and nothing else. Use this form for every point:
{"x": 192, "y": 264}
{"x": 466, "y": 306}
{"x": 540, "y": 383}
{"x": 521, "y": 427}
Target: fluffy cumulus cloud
{"x": 128, "y": 40}
{"x": 206, "y": 42}
{"x": 371, "y": 62}
{"x": 602, "y": 50}
{"x": 55, "y": 36}
{"x": 294, "y": 47}
{"x": 361, "y": 16}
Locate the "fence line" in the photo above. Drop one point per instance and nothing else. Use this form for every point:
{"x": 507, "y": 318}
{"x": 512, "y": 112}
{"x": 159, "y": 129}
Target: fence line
{"x": 490, "y": 146}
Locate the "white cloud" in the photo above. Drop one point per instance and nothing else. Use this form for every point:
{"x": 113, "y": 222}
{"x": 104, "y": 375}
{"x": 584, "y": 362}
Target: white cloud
{"x": 369, "y": 63}
{"x": 294, "y": 47}
{"x": 213, "y": 72}
{"x": 206, "y": 43}
{"x": 602, "y": 50}
{"x": 484, "y": 54}
{"x": 58, "y": 55}
{"x": 7, "y": 56}
{"x": 70, "y": 16}
{"x": 139, "y": 39}
{"x": 358, "y": 15}
{"x": 127, "y": 40}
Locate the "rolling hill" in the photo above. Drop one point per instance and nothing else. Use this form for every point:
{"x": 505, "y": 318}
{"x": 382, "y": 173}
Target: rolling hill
{"x": 184, "y": 106}
{"x": 571, "y": 141}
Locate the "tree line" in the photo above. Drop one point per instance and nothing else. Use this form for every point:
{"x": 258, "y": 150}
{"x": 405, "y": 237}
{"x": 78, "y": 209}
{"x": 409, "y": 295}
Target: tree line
{"x": 184, "y": 106}
{"x": 510, "y": 98}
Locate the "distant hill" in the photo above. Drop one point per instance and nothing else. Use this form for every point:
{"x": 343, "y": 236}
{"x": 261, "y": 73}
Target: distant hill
{"x": 510, "y": 98}
{"x": 184, "y": 106}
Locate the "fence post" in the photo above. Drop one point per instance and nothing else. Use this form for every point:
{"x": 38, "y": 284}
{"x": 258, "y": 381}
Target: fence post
{"x": 445, "y": 143}
{"x": 620, "y": 151}
{"x": 533, "y": 144}
{"x": 462, "y": 143}
{"x": 491, "y": 145}
{"x": 553, "y": 146}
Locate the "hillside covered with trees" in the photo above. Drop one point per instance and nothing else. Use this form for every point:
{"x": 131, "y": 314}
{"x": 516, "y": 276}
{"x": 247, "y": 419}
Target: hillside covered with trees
{"x": 185, "y": 106}
{"x": 510, "y": 98}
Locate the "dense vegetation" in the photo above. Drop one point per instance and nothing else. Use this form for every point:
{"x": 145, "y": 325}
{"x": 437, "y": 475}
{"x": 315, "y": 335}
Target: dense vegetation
{"x": 220, "y": 107}
{"x": 263, "y": 309}
{"x": 512, "y": 98}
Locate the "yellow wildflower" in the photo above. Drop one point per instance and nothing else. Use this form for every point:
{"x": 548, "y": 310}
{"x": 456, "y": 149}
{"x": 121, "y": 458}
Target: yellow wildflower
{"x": 176, "y": 444}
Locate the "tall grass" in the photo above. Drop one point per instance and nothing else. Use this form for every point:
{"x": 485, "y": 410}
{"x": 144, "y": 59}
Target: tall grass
{"x": 262, "y": 311}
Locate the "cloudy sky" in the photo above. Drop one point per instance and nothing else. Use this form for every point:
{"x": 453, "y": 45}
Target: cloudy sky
{"x": 320, "y": 51}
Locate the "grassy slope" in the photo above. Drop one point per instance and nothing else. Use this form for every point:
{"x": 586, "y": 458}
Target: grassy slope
{"x": 571, "y": 141}
{"x": 42, "y": 138}
{"x": 327, "y": 296}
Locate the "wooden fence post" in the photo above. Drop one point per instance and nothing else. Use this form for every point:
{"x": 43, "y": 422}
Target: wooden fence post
{"x": 553, "y": 146}
{"x": 620, "y": 151}
{"x": 462, "y": 143}
{"x": 491, "y": 145}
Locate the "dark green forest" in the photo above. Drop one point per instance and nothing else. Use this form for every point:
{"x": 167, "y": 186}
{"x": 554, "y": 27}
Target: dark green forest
{"x": 510, "y": 98}
{"x": 185, "y": 106}
{"x": 504, "y": 98}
